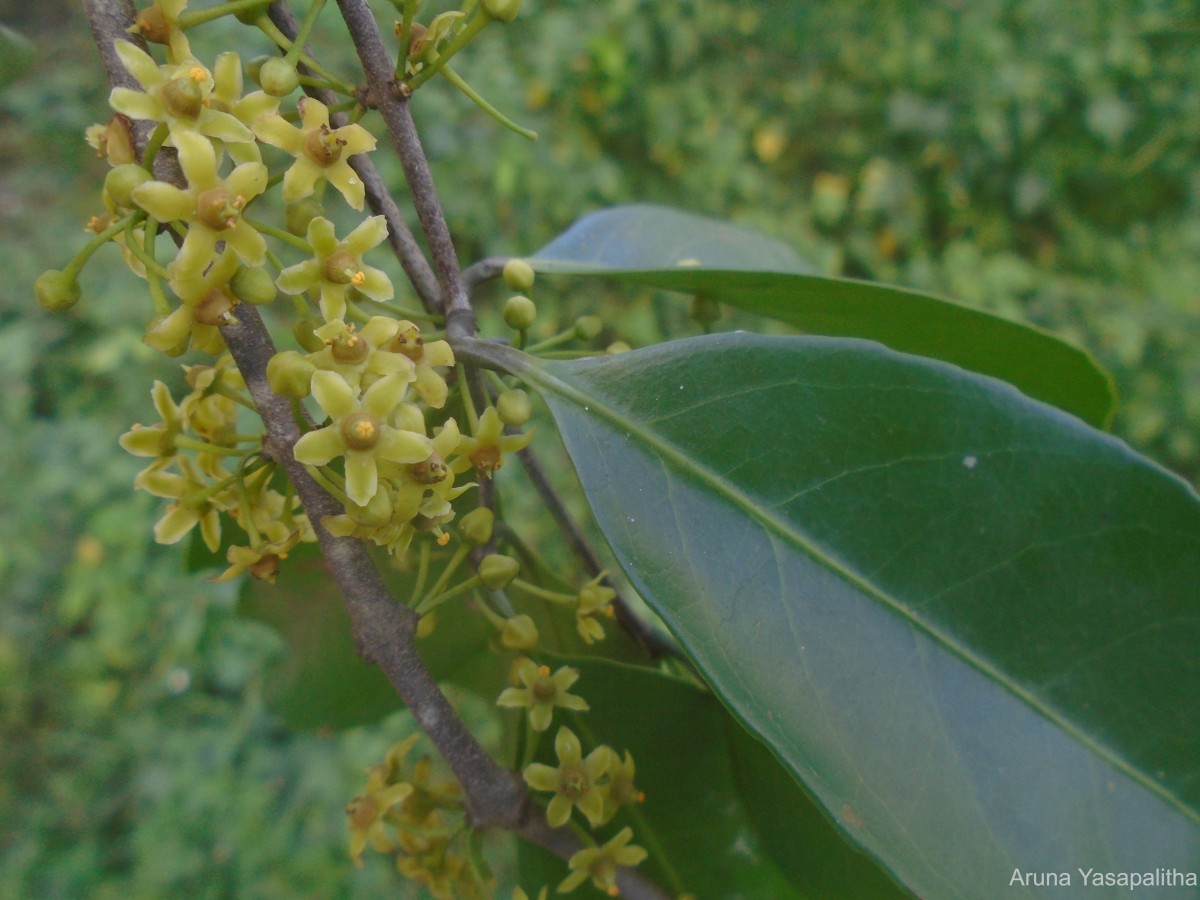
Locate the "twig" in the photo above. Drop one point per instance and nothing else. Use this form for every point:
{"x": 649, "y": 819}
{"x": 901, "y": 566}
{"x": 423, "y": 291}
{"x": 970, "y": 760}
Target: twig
{"x": 481, "y": 272}
{"x": 393, "y": 106}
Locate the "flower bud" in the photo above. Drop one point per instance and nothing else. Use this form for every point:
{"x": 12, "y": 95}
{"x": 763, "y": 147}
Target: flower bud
{"x": 518, "y": 275}
{"x": 56, "y": 290}
{"x": 496, "y": 571}
{"x": 476, "y": 526}
{"x": 519, "y": 633}
{"x": 514, "y": 407}
{"x": 617, "y": 347}
{"x": 253, "y": 284}
{"x": 299, "y": 215}
{"x": 588, "y": 327}
{"x": 304, "y": 331}
{"x": 120, "y": 182}
{"x": 502, "y": 10}
{"x": 290, "y": 374}
{"x": 519, "y": 312}
{"x": 278, "y": 77}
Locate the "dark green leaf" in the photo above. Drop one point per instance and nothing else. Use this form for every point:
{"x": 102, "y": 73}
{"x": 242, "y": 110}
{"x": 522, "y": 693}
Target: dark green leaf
{"x": 676, "y": 251}
{"x": 967, "y": 622}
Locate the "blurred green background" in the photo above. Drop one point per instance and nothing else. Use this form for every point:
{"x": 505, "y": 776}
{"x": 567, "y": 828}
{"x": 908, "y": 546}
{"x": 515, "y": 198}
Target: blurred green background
{"x": 1033, "y": 157}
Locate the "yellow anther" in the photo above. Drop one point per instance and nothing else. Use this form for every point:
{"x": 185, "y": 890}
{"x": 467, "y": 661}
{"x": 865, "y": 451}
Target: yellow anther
{"x": 358, "y": 278}
{"x": 443, "y": 539}
{"x": 197, "y": 74}
{"x": 364, "y": 430}
{"x": 543, "y": 671}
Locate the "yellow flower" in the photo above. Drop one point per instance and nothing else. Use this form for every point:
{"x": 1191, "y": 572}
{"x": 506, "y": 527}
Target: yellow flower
{"x": 321, "y": 152}
{"x": 360, "y": 432}
{"x": 573, "y": 781}
{"x": 337, "y": 265}
{"x": 174, "y": 94}
{"x": 211, "y": 206}
{"x": 540, "y": 692}
{"x": 602, "y": 863}
{"x": 485, "y": 449}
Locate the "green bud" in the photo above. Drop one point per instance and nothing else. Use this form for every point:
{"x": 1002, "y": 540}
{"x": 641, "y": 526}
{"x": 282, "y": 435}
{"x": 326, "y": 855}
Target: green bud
{"x": 476, "y": 526}
{"x": 56, "y": 290}
{"x": 290, "y": 374}
{"x": 278, "y": 77}
{"x": 251, "y": 15}
{"x": 518, "y": 275}
{"x": 519, "y": 312}
{"x": 519, "y": 633}
{"x": 705, "y": 310}
{"x": 588, "y": 327}
{"x": 617, "y": 347}
{"x": 496, "y": 571}
{"x": 304, "y": 333}
{"x": 120, "y": 182}
{"x": 514, "y": 407}
{"x": 502, "y": 10}
{"x": 253, "y": 284}
{"x": 299, "y": 214}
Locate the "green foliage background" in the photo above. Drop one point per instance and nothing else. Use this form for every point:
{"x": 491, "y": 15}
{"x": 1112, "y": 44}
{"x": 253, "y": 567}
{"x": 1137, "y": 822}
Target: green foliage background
{"x": 1030, "y": 157}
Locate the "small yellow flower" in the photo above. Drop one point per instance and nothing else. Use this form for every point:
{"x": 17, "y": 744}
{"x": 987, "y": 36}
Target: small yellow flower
{"x": 602, "y": 863}
{"x": 360, "y": 432}
{"x": 573, "y": 781}
{"x": 336, "y": 265}
{"x": 211, "y": 206}
{"x": 321, "y": 152}
{"x": 540, "y": 692}
{"x": 485, "y": 449}
{"x": 594, "y": 599}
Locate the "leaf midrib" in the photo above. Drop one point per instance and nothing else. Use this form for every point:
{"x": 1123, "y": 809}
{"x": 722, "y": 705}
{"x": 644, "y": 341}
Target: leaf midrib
{"x": 687, "y": 466}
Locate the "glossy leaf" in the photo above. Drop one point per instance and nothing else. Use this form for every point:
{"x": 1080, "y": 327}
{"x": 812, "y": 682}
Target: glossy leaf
{"x": 676, "y": 251}
{"x": 966, "y": 621}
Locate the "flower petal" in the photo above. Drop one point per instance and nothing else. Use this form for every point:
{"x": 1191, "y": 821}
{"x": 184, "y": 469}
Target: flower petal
{"x": 541, "y": 777}
{"x": 371, "y": 233}
{"x": 376, "y": 284}
{"x": 313, "y": 113}
{"x": 248, "y": 180}
{"x": 348, "y": 184}
{"x": 540, "y": 716}
{"x": 558, "y": 812}
{"x": 279, "y": 132}
{"x": 222, "y": 125}
{"x": 357, "y": 138}
{"x": 163, "y": 201}
{"x": 333, "y": 394}
{"x": 383, "y": 396}
{"x": 403, "y": 446}
{"x": 196, "y": 252}
{"x": 137, "y": 104}
{"x": 316, "y": 448}
{"x": 510, "y": 697}
{"x": 227, "y": 77}
{"x": 567, "y": 746}
{"x": 197, "y": 159}
{"x": 139, "y": 64}
{"x": 300, "y": 180}
{"x": 247, "y": 243}
{"x": 362, "y": 476}
{"x": 322, "y": 236}
{"x": 299, "y": 278}
{"x": 177, "y": 522}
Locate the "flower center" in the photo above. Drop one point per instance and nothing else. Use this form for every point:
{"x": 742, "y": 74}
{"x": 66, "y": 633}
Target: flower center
{"x": 486, "y": 459}
{"x": 429, "y": 471}
{"x": 410, "y": 343}
{"x": 153, "y": 25}
{"x": 323, "y": 146}
{"x": 349, "y": 348}
{"x": 360, "y": 430}
{"x": 574, "y": 782}
{"x": 342, "y": 268}
{"x": 544, "y": 689}
{"x": 218, "y": 209}
{"x": 183, "y": 97}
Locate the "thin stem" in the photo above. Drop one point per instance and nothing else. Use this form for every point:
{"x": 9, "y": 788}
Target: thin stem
{"x": 279, "y": 234}
{"x": 306, "y": 27}
{"x": 464, "y": 37}
{"x": 475, "y": 97}
{"x": 271, "y": 30}
{"x": 193, "y": 17}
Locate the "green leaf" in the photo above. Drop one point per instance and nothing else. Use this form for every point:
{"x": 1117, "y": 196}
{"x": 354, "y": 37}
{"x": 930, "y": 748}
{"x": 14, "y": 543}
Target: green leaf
{"x": 661, "y": 247}
{"x": 967, "y": 622}
{"x": 692, "y": 820}
{"x": 322, "y": 682}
